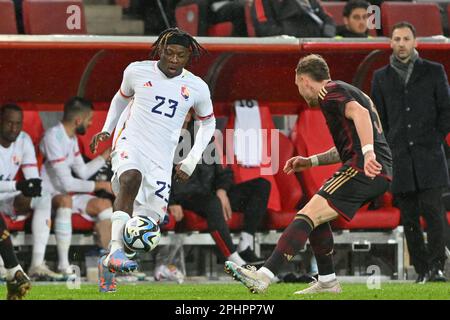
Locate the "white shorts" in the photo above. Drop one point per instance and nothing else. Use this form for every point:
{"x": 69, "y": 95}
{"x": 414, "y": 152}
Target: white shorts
{"x": 7, "y": 202}
{"x": 79, "y": 205}
{"x": 153, "y": 196}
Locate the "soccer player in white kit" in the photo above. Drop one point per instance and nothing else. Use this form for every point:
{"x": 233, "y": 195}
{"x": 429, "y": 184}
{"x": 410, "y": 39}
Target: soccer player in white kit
{"x": 19, "y": 197}
{"x": 147, "y": 114}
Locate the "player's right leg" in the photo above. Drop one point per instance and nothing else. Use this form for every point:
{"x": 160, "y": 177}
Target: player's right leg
{"x": 129, "y": 184}
{"x": 17, "y": 282}
{"x": 293, "y": 239}
{"x": 40, "y": 227}
{"x": 63, "y": 206}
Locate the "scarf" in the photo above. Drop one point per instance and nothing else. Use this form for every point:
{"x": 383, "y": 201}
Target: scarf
{"x": 404, "y": 70}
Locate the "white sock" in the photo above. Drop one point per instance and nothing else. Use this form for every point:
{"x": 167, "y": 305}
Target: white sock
{"x": 63, "y": 234}
{"x": 327, "y": 278}
{"x": 105, "y": 214}
{"x": 246, "y": 240}
{"x": 118, "y": 219}
{"x": 10, "y": 273}
{"x": 40, "y": 228}
{"x": 267, "y": 272}
{"x": 236, "y": 258}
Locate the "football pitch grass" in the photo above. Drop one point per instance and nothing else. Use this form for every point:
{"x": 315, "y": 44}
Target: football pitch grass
{"x": 235, "y": 291}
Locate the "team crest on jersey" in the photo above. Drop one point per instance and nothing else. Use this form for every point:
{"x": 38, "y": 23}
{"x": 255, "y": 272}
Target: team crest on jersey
{"x": 148, "y": 84}
{"x": 123, "y": 155}
{"x": 185, "y": 92}
{"x": 16, "y": 160}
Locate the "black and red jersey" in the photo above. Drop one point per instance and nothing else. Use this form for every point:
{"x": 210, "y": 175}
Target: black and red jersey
{"x": 332, "y": 100}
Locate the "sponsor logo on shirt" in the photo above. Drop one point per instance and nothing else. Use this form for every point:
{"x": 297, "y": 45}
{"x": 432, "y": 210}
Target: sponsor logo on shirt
{"x": 148, "y": 84}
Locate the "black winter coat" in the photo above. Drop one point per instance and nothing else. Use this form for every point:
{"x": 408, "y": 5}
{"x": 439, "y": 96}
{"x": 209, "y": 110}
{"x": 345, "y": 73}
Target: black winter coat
{"x": 415, "y": 119}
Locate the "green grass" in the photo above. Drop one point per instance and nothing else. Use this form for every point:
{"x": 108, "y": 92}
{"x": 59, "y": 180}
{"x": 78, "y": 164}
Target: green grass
{"x": 235, "y": 291}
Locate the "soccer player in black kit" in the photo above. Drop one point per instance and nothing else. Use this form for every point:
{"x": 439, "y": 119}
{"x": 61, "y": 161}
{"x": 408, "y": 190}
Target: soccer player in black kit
{"x": 365, "y": 175}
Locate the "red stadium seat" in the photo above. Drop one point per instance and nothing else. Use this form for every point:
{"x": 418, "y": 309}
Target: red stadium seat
{"x": 16, "y": 224}
{"x": 8, "y": 23}
{"x": 187, "y": 17}
{"x": 289, "y": 188}
{"x": 54, "y": 17}
{"x": 448, "y": 139}
{"x": 98, "y": 119}
{"x": 81, "y": 224}
{"x": 335, "y": 10}
{"x": 425, "y": 17}
{"x": 32, "y": 124}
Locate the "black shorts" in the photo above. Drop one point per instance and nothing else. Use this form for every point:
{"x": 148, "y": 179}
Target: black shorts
{"x": 350, "y": 189}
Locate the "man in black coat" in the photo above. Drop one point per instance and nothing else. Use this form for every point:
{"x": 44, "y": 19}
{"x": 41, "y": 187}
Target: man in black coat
{"x": 212, "y": 193}
{"x": 298, "y": 18}
{"x": 413, "y": 100}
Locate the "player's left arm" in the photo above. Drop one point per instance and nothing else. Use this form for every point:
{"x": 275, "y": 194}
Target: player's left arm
{"x": 363, "y": 123}
{"x": 29, "y": 164}
{"x": 205, "y": 115}
{"x": 85, "y": 170}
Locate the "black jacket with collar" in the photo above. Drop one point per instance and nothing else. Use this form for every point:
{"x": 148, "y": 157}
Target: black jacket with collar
{"x": 415, "y": 119}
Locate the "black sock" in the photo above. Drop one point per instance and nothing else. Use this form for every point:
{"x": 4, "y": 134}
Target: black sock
{"x": 322, "y": 243}
{"x": 6, "y": 248}
{"x": 291, "y": 242}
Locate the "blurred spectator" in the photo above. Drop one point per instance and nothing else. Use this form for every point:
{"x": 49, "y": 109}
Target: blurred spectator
{"x": 211, "y": 193}
{"x": 412, "y": 97}
{"x": 298, "y": 18}
{"x": 355, "y": 20}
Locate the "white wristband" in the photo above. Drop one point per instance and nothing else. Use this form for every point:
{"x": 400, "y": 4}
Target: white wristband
{"x": 314, "y": 161}
{"x": 188, "y": 164}
{"x": 366, "y": 148}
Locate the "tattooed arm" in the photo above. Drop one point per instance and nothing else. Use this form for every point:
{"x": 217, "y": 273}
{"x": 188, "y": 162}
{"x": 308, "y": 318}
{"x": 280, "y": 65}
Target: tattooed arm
{"x": 329, "y": 157}
{"x": 300, "y": 163}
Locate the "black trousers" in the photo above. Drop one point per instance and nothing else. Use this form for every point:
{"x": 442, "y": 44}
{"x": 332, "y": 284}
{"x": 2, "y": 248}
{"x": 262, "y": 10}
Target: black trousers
{"x": 427, "y": 203}
{"x": 250, "y": 198}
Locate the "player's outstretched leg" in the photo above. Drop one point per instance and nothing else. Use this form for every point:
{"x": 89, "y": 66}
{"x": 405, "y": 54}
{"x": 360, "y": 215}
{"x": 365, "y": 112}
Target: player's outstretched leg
{"x": 106, "y": 278}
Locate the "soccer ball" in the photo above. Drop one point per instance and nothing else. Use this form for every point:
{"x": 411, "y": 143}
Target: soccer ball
{"x": 141, "y": 234}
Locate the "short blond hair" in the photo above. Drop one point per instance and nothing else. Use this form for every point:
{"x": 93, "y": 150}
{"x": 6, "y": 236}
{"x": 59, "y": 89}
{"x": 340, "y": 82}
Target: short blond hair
{"x": 315, "y": 66}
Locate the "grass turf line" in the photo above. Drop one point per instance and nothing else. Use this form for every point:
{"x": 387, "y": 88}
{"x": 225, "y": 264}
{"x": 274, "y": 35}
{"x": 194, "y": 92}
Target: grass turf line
{"x": 172, "y": 291}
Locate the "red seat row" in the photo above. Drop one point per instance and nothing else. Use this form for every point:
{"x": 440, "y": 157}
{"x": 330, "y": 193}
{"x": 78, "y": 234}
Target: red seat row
{"x": 44, "y": 17}
{"x": 424, "y": 16}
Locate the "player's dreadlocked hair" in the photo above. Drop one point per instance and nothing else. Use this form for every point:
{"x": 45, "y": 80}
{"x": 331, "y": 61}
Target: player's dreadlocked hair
{"x": 177, "y": 36}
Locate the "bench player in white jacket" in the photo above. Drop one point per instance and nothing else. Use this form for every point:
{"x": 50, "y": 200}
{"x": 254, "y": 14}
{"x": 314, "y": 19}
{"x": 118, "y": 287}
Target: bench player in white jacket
{"x": 62, "y": 156}
{"x": 147, "y": 114}
{"x": 20, "y": 198}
